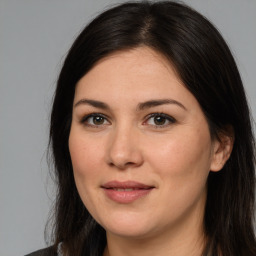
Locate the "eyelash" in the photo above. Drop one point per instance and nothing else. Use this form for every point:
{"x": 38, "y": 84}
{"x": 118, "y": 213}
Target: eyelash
{"x": 85, "y": 119}
{"x": 166, "y": 117}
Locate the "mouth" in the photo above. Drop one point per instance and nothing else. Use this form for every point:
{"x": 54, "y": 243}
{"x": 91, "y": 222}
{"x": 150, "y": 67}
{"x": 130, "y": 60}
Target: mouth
{"x": 125, "y": 189}
{"x": 126, "y": 192}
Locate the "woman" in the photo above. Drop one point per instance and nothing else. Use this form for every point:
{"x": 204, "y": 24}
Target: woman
{"x": 151, "y": 139}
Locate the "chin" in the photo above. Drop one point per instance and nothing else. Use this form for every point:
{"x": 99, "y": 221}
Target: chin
{"x": 129, "y": 232}
{"x": 128, "y": 226}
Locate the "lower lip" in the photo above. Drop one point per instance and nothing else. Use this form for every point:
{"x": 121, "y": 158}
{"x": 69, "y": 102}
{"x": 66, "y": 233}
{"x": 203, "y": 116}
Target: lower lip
{"x": 125, "y": 197}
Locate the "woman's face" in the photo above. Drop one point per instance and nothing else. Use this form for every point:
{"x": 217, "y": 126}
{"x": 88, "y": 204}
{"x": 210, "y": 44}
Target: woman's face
{"x": 140, "y": 146}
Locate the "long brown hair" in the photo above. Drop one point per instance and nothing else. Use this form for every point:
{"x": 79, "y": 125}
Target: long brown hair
{"x": 207, "y": 68}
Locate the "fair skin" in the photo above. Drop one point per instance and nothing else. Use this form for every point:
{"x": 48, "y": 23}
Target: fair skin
{"x": 134, "y": 121}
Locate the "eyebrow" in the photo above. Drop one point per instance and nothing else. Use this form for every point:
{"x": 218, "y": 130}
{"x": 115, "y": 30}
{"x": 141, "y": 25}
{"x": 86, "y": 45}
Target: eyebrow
{"x": 94, "y": 103}
{"x": 141, "y": 106}
{"x": 154, "y": 103}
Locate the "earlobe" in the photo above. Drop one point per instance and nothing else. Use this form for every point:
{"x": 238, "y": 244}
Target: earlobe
{"x": 222, "y": 149}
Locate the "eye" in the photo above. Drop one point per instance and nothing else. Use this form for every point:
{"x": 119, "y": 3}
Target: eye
{"x": 95, "y": 119}
{"x": 160, "y": 120}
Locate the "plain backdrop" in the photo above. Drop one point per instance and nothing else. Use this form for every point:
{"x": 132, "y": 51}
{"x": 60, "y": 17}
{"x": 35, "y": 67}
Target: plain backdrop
{"x": 34, "y": 38}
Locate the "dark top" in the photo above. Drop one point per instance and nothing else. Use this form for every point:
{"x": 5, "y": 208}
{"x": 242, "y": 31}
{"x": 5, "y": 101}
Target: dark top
{"x": 43, "y": 252}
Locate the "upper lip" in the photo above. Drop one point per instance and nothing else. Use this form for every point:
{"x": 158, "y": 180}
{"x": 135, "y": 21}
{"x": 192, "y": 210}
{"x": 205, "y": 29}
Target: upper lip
{"x": 126, "y": 184}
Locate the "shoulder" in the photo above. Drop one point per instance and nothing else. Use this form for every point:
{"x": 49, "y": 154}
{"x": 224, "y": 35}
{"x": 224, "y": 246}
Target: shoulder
{"x": 43, "y": 252}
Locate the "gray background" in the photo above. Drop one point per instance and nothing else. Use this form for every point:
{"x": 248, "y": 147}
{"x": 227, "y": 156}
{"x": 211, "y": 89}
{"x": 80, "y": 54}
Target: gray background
{"x": 34, "y": 38}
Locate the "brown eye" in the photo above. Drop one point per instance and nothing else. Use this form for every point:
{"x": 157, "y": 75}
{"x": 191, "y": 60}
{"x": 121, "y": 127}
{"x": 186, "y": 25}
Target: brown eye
{"x": 159, "y": 120}
{"x": 95, "y": 120}
{"x": 98, "y": 120}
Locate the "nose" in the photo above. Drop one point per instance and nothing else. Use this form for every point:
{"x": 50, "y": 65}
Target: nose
{"x": 124, "y": 148}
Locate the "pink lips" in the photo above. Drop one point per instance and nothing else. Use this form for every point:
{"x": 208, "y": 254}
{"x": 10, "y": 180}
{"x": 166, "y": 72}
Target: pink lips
{"x": 126, "y": 192}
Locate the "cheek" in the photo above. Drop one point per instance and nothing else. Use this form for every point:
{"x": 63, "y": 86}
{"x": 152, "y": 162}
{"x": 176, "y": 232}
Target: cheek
{"x": 183, "y": 155}
{"x": 85, "y": 161}
{"x": 182, "y": 163}
{"x": 85, "y": 155}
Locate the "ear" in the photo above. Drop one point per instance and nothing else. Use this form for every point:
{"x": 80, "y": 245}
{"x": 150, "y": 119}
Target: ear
{"x": 222, "y": 148}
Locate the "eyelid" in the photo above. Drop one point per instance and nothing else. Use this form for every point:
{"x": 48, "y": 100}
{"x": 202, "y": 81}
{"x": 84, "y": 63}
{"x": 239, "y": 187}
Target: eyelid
{"x": 168, "y": 117}
{"x": 86, "y": 117}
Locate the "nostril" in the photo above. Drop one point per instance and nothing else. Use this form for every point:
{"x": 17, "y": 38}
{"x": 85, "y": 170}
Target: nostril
{"x": 130, "y": 163}
{"x": 123, "y": 165}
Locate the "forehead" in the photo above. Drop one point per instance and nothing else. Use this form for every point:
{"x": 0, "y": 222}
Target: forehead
{"x": 140, "y": 56}
{"x": 134, "y": 69}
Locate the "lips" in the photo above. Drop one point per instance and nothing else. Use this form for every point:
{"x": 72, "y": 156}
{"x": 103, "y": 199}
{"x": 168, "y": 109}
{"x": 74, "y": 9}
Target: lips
{"x": 125, "y": 185}
{"x": 126, "y": 192}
